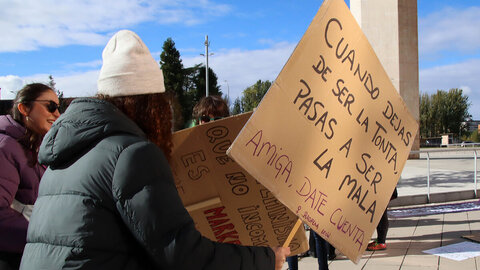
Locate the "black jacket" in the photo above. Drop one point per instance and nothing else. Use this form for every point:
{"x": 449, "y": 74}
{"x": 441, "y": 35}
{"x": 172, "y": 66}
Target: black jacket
{"x": 108, "y": 201}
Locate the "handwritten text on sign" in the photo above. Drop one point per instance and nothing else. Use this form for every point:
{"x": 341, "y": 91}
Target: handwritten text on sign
{"x": 331, "y": 135}
{"x": 227, "y": 204}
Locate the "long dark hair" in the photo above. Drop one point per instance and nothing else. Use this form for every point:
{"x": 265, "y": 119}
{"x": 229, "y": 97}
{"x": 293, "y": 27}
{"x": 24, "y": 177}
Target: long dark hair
{"x": 152, "y": 113}
{"x": 31, "y": 140}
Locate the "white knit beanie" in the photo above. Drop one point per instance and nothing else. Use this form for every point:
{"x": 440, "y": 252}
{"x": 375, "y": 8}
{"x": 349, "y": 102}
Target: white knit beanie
{"x": 128, "y": 67}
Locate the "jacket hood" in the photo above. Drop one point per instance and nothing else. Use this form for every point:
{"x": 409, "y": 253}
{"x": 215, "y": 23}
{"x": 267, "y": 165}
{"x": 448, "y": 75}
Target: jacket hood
{"x": 11, "y": 127}
{"x": 84, "y": 123}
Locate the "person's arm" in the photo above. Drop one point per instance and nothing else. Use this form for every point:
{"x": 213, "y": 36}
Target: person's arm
{"x": 13, "y": 226}
{"x": 9, "y": 175}
{"x": 148, "y": 203}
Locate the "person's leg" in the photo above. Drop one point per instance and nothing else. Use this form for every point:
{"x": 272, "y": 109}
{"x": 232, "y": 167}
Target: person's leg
{"x": 312, "y": 245}
{"x": 331, "y": 252}
{"x": 382, "y": 229}
{"x": 322, "y": 252}
{"x": 292, "y": 262}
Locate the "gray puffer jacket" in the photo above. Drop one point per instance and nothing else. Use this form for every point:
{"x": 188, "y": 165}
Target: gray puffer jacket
{"x": 108, "y": 201}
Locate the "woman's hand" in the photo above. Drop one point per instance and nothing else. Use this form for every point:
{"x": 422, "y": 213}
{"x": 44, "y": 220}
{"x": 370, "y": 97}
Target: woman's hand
{"x": 281, "y": 254}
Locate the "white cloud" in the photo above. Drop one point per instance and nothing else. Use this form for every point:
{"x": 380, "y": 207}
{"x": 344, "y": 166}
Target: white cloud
{"x": 464, "y": 75}
{"x": 72, "y": 85}
{"x": 467, "y": 90}
{"x": 91, "y": 64}
{"x": 243, "y": 68}
{"x": 9, "y": 85}
{"x": 240, "y": 68}
{"x": 266, "y": 41}
{"x": 450, "y": 29}
{"x": 451, "y": 76}
{"x": 78, "y": 84}
{"x": 30, "y": 24}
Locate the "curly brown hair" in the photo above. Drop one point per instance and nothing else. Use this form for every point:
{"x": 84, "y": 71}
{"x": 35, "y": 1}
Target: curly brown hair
{"x": 152, "y": 113}
{"x": 211, "y": 105}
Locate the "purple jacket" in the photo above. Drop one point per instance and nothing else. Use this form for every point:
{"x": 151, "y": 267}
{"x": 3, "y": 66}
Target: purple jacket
{"x": 17, "y": 181}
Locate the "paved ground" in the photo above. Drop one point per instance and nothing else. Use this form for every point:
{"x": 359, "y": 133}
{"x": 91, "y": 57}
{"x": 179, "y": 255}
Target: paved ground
{"x": 408, "y": 238}
{"x": 451, "y": 179}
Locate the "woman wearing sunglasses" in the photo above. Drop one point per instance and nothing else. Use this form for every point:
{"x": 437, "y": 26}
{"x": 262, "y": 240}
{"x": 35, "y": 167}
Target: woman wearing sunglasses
{"x": 210, "y": 108}
{"x": 34, "y": 111}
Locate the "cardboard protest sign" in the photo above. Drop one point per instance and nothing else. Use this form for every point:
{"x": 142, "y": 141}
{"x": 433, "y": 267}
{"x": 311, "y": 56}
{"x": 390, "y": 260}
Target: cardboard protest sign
{"x": 332, "y": 135}
{"x": 227, "y": 204}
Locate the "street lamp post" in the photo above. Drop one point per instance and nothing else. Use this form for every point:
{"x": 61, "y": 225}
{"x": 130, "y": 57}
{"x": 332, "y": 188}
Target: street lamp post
{"x": 206, "y": 63}
{"x": 206, "y": 66}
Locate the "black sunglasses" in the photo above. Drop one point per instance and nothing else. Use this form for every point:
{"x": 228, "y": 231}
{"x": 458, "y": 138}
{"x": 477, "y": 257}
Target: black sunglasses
{"x": 207, "y": 119}
{"x": 51, "y": 106}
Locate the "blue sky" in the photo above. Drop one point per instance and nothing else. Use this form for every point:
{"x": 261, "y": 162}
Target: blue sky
{"x": 250, "y": 40}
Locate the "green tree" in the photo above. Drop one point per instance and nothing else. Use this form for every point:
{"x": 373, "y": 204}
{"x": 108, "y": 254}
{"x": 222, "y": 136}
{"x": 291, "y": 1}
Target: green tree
{"x": 252, "y": 95}
{"x": 173, "y": 77}
{"x": 237, "y": 107}
{"x": 195, "y": 86}
{"x": 474, "y": 136}
{"x": 200, "y": 83}
{"x": 172, "y": 68}
{"x": 426, "y": 119}
{"x": 184, "y": 86}
{"x": 443, "y": 112}
{"x": 457, "y": 105}
{"x": 191, "y": 92}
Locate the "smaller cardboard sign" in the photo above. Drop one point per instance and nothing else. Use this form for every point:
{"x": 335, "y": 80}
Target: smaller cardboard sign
{"x": 331, "y": 136}
{"x": 226, "y": 203}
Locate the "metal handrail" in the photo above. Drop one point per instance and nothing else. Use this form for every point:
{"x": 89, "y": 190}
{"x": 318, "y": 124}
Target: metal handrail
{"x": 463, "y": 149}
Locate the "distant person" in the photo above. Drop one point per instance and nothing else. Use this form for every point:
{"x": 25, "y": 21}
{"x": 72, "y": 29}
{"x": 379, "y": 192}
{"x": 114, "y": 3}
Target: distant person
{"x": 322, "y": 250}
{"x": 382, "y": 229}
{"x": 313, "y": 251}
{"x": 108, "y": 199}
{"x": 210, "y": 108}
{"x": 34, "y": 110}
